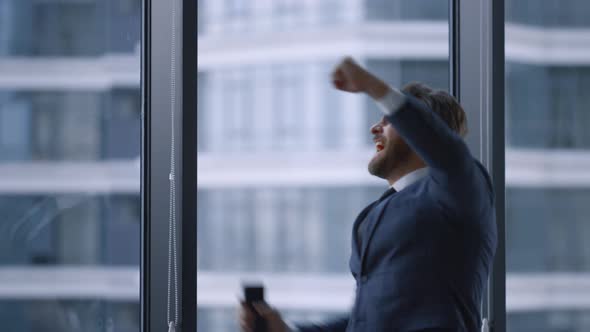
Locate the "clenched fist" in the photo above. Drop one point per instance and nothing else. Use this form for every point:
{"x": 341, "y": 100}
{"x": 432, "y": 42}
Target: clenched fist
{"x": 351, "y": 77}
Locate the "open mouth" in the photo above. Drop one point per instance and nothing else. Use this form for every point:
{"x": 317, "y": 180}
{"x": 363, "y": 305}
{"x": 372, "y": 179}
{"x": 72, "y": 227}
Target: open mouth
{"x": 379, "y": 146}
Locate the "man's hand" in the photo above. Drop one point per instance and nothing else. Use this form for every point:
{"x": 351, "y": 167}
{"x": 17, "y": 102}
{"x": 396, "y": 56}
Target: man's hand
{"x": 274, "y": 322}
{"x": 351, "y": 77}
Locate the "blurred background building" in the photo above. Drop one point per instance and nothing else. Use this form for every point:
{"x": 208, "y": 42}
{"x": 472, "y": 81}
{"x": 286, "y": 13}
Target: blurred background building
{"x": 69, "y": 165}
{"x": 547, "y": 165}
{"x": 282, "y": 167}
{"x": 281, "y": 156}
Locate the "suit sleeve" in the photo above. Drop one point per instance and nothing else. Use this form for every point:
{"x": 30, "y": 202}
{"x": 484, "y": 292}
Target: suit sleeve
{"x": 336, "y": 325}
{"x": 465, "y": 189}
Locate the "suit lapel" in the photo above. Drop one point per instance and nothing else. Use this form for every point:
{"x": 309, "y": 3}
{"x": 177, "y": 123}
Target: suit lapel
{"x": 359, "y": 219}
{"x": 373, "y": 222}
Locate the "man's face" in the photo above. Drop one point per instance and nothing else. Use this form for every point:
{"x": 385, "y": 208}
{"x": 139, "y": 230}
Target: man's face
{"x": 390, "y": 149}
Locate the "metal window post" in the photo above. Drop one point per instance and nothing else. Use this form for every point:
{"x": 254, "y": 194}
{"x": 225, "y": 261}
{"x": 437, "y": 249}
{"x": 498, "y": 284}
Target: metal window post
{"x": 476, "y": 47}
{"x": 155, "y": 160}
{"x": 189, "y": 166}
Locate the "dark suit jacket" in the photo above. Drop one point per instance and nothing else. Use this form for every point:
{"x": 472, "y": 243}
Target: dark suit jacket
{"x": 427, "y": 250}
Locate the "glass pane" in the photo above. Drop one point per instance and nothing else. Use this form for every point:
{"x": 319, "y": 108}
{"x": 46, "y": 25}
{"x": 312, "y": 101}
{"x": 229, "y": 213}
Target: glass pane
{"x": 69, "y": 165}
{"x": 282, "y": 170}
{"x": 547, "y": 165}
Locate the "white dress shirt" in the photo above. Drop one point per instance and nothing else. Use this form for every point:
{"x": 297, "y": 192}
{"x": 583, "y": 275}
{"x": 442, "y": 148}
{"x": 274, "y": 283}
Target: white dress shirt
{"x": 391, "y": 102}
{"x": 409, "y": 178}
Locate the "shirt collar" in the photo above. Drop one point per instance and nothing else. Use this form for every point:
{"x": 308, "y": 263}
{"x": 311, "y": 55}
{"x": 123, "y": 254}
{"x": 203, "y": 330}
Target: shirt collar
{"x": 410, "y": 178}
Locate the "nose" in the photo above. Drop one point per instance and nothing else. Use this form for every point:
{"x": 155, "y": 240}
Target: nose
{"x": 377, "y": 128}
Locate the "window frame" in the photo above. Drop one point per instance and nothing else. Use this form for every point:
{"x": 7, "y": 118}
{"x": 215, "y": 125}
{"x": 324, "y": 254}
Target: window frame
{"x": 156, "y": 53}
{"x": 476, "y": 51}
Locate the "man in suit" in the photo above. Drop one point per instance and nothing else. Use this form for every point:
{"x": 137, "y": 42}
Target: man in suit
{"x": 421, "y": 254}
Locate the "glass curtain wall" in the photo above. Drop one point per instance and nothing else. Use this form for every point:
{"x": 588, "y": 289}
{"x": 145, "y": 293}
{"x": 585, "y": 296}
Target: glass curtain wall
{"x": 282, "y": 156}
{"x": 69, "y": 165}
{"x": 548, "y": 165}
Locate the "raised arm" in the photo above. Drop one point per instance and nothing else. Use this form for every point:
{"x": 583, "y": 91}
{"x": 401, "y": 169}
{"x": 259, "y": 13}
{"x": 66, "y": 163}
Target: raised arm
{"x": 444, "y": 151}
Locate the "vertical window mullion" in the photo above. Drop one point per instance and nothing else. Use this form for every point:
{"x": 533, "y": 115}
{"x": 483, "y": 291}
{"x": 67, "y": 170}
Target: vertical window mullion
{"x": 476, "y": 44}
{"x": 156, "y": 139}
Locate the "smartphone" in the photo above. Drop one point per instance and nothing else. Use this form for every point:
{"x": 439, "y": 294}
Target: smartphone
{"x": 255, "y": 293}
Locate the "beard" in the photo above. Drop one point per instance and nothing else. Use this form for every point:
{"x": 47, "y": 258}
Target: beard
{"x": 387, "y": 160}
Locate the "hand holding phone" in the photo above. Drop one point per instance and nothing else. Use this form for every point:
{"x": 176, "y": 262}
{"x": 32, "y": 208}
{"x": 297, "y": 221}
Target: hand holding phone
{"x": 254, "y": 293}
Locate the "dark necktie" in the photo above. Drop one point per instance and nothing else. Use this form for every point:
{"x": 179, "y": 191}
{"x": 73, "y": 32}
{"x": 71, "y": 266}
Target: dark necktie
{"x": 363, "y": 225}
{"x": 388, "y": 192}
